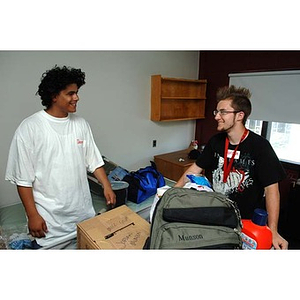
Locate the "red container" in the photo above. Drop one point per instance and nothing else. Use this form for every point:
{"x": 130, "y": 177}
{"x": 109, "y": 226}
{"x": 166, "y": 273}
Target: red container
{"x": 256, "y": 234}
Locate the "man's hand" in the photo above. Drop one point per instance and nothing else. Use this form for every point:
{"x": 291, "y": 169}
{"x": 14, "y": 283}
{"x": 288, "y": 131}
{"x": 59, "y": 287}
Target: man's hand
{"x": 108, "y": 192}
{"x": 110, "y": 196}
{"x": 37, "y": 226}
{"x": 279, "y": 243}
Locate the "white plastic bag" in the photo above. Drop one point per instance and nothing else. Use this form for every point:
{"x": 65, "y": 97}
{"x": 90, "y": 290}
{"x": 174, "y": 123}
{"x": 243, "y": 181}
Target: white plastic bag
{"x": 160, "y": 191}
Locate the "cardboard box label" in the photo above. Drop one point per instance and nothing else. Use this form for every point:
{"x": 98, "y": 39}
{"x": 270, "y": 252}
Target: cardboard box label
{"x": 120, "y": 228}
{"x": 132, "y": 238}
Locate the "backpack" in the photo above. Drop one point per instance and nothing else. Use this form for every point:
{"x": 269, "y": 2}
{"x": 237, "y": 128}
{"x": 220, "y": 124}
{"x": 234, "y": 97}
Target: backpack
{"x": 143, "y": 183}
{"x": 190, "y": 219}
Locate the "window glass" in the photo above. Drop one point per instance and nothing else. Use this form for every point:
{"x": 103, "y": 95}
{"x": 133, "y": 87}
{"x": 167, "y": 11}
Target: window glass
{"x": 285, "y": 139}
{"x": 254, "y": 125}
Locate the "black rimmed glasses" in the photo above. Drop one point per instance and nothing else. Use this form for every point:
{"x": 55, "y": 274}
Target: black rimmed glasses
{"x": 224, "y": 112}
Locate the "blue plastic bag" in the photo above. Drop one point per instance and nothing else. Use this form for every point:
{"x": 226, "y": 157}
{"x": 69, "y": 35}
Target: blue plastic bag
{"x": 199, "y": 179}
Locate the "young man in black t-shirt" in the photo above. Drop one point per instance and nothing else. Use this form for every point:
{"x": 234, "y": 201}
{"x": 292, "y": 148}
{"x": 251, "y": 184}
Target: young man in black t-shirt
{"x": 251, "y": 168}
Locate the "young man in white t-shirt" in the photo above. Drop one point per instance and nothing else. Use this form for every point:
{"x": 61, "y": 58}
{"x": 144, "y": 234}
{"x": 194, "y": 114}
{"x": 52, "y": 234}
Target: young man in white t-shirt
{"x": 49, "y": 156}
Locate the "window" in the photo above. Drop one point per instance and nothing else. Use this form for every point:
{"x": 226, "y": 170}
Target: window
{"x": 284, "y": 138}
{"x": 254, "y": 125}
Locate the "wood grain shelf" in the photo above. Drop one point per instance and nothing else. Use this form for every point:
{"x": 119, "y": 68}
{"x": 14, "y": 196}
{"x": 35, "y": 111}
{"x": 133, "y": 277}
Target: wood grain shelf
{"x": 175, "y": 99}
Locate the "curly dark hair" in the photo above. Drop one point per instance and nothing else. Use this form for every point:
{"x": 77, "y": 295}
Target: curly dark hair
{"x": 55, "y": 80}
{"x": 240, "y": 99}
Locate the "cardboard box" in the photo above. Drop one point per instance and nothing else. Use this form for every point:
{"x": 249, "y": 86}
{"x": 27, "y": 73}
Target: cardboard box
{"x": 119, "y": 228}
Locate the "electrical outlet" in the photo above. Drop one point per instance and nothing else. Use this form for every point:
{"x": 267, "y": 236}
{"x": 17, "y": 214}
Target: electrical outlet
{"x": 154, "y": 143}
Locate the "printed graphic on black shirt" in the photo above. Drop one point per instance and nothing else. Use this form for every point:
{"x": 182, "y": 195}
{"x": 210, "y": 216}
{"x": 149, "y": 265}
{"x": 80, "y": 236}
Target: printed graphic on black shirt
{"x": 239, "y": 177}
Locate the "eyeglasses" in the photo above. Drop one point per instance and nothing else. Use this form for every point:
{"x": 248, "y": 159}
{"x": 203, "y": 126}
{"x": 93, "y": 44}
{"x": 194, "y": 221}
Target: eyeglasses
{"x": 224, "y": 112}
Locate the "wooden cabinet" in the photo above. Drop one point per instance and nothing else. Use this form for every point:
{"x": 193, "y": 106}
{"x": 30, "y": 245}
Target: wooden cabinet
{"x": 174, "y": 99}
{"x": 173, "y": 165}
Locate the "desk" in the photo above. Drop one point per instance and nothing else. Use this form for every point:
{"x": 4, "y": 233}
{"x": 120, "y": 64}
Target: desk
{"x": 173, "y": 165}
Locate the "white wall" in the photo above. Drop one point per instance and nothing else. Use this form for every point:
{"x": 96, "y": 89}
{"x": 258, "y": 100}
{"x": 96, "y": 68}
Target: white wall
{"x": 115, "y": 101}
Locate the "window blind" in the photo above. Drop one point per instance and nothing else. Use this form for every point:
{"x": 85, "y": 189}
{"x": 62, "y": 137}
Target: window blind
{"x": 275, "y": 95}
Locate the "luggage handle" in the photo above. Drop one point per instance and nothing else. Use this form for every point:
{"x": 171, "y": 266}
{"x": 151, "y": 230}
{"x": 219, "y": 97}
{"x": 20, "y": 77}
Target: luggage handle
{"x": 222, "y": 216}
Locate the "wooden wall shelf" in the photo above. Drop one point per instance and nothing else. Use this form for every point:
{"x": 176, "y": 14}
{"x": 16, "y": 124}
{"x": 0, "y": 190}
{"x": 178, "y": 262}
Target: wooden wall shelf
{"x": 174, "y": 99}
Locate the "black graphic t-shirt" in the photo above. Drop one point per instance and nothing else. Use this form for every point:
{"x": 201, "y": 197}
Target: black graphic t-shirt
{"x": 255, "y": 167}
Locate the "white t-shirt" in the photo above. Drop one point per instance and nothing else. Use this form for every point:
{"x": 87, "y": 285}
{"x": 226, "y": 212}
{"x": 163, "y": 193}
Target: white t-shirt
{"x": 52, "y": 155}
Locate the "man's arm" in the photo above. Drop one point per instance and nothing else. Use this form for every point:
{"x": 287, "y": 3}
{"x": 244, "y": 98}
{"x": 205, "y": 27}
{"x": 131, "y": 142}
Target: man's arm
{"x": 108, "y": 192}
{"x": 36, "y": 224}
{"x": 193, "y": 169}
{"x": 273, "y": 207}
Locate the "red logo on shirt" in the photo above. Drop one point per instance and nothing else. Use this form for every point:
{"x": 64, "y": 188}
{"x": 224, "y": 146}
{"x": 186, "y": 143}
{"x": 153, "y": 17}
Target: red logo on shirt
{"x": 79, "y": 142}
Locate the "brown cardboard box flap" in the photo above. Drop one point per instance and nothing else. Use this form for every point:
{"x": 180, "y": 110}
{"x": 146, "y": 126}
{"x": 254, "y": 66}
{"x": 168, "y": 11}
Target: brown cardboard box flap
{"x": 119, "y": 228}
